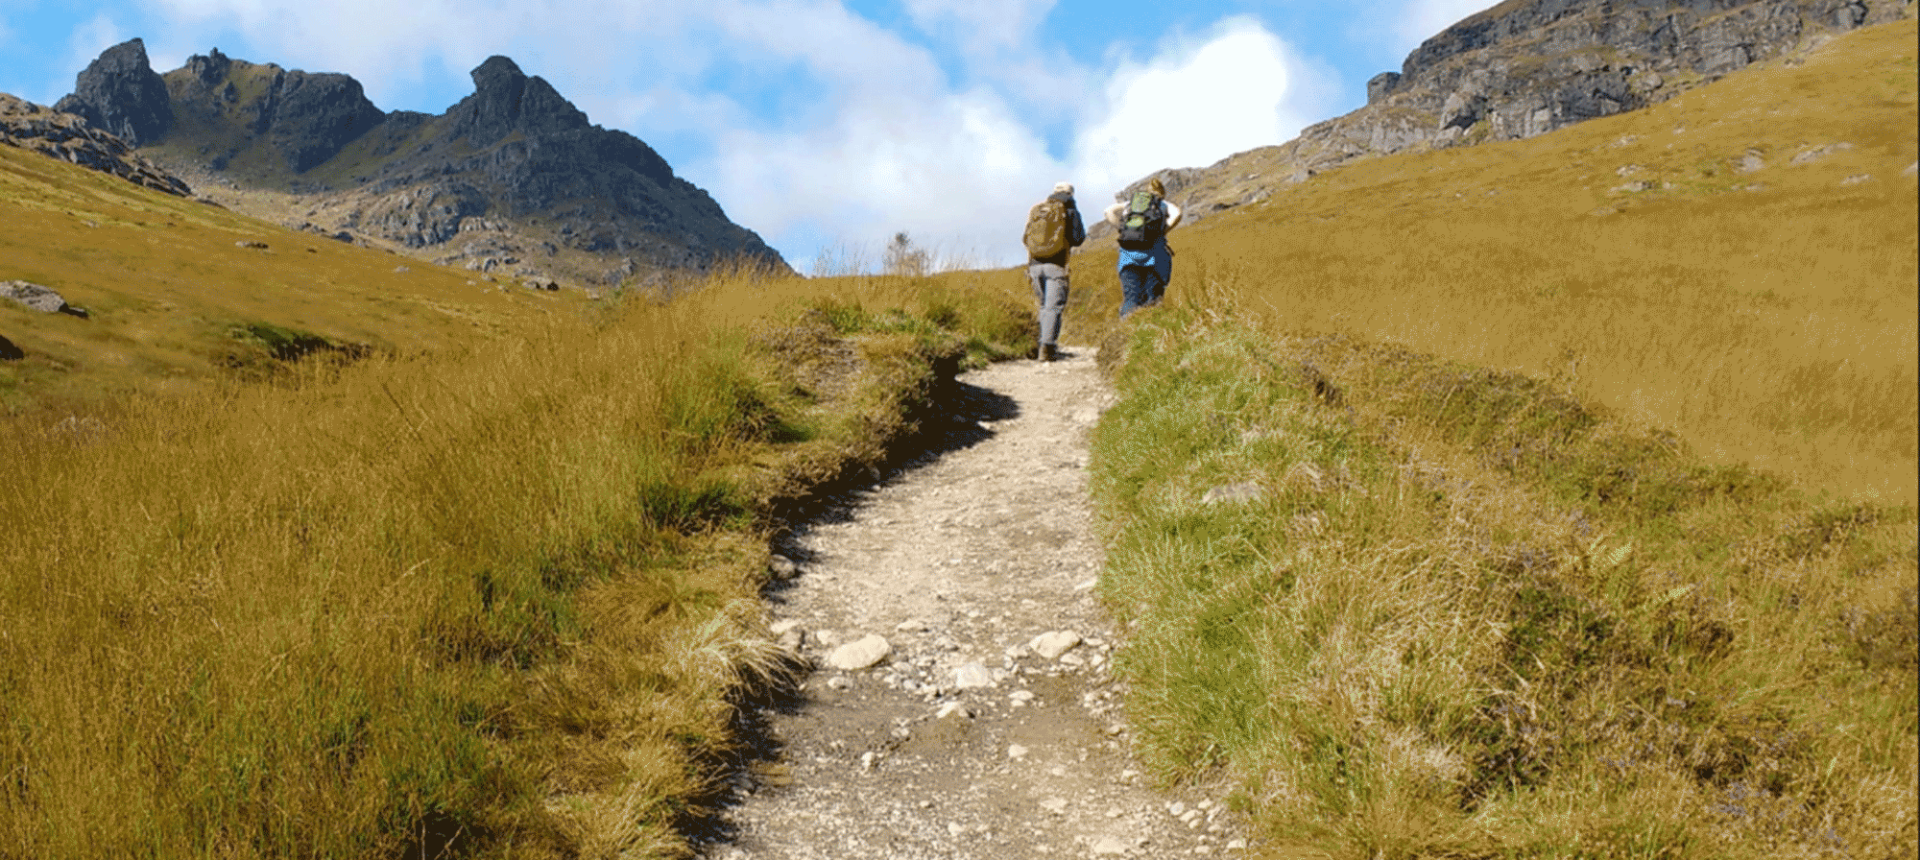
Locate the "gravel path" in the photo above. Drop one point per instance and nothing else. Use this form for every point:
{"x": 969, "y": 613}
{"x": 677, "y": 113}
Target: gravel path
{"x": 988, "y": 725}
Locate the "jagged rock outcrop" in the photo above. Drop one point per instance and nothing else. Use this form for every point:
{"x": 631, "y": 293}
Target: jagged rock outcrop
{"x": 513, "y": 155}
{"x": 71, "y": 139}
{"x": 311, "y": 117}
{"x": 505, "y": 100}
{"x": 1526, "y": 67}
{"x": 301, "y": 119}
{"x": 120, "y": 94}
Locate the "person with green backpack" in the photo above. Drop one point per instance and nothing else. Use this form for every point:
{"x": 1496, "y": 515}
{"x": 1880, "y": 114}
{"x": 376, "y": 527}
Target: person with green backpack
{"x": 1054, "y": 229}
{"x": 1146, "y": 263}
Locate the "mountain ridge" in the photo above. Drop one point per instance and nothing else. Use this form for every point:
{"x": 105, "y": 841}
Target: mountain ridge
{"x": 515, "y": 169}
{"x": 1523, "y": 68}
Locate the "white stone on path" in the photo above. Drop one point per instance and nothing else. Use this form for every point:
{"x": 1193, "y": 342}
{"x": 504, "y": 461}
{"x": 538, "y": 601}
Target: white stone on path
{"x": 782, "y": 568}
{"x": 1111, "y": 846}
{"x": 863, "y": 653}
{"x": 1052, "y": 645}
{"x": 971, "y": 676}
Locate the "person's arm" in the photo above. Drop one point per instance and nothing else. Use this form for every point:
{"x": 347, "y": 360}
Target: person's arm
{"x": 1077, "y": 233}
{"x": 1113, "y": 213}
{"x": 1173, "y": 215}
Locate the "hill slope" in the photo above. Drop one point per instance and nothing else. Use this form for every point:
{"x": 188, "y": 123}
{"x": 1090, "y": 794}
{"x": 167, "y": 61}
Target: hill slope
{"x": 1524, "y": 68}
{"x": 180, "y": 294}
{"x": 1736, "y": 264}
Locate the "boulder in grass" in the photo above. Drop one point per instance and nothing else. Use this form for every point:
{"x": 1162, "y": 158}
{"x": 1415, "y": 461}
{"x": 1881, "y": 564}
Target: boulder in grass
{"x": 34, "y": 296}
{"x": 9, "y": 352}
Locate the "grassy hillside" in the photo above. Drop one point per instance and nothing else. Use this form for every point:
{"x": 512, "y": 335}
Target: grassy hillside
{"x": 176, "y": 302}
{"x": 1567, "y": 520}
{"x": 1767, "y": 317}
{"x": 488, "y": 587}
{"x": 489, "y": 582}
{"x": 1454, "y": 612}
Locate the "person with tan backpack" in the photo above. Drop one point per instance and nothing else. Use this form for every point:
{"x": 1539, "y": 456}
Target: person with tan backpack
{"x": 1054, "y": 229}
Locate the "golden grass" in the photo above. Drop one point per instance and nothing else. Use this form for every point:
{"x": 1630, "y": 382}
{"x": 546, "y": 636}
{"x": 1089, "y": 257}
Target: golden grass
{"x": 1467, "y": 615}
{"x": 492, "y": 586}
{"x": 166, "y": 285}
{"x": 491, "y": 589}
{"x": 1767, "y": 317}
{"x": 1480, "y": 613}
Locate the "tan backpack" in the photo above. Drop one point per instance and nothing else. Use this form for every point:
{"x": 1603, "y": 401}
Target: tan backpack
{"x": 1047, "y": 225}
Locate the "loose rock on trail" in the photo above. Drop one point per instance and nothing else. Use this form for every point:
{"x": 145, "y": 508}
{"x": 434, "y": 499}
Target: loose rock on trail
{"x": 961, "y": 704}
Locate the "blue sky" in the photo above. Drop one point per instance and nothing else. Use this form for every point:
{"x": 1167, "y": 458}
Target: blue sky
{"x": 824, "y": 125}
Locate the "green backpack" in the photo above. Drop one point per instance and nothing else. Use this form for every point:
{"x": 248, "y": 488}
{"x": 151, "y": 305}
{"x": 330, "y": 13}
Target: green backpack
{"x": 1144, "y": 222}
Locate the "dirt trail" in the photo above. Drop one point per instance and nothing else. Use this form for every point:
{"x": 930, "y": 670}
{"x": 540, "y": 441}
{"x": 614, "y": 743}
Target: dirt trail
{"x": 964, "y": 741}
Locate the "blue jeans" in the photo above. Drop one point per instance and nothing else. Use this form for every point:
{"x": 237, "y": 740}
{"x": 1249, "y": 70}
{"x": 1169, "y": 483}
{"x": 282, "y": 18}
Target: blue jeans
{"x": 1140, "y": 286}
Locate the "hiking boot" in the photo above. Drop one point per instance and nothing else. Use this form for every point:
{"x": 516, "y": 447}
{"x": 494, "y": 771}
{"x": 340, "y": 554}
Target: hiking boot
{"x": 1048, "y": 353}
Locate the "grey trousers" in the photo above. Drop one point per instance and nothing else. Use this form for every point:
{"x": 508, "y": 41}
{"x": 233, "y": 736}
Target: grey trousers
{"x": 1050, "y": 290}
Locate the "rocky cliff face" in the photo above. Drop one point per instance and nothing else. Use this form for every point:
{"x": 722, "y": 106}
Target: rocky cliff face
{"x": 118, "y": 93}
{"x": 1527, "y": 67}
{"x": 69, "y": 138}
{"x": 302, "y": 119}
{"x": 513, "y": 180}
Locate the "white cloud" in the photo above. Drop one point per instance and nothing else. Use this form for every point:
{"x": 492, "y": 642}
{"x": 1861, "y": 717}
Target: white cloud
{"x": 1421, "y": 20}
{"x": 901, "y": 150}
{"x": 1196, "y": 103}
{"x": 955, "y": 173}
{"x": 91, "y": 38}
{"x": 980, "y": 27}
{"x": 855, "y": 132}
{"x": 390, "y": 47}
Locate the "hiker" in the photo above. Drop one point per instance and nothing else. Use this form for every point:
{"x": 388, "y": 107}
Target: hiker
{"x": 1054, "y": 229}
{"x": 1146, "y": 263}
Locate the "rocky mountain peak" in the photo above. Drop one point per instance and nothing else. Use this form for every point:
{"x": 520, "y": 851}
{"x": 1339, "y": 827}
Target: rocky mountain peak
{"x": 211, "y": 69}
{"x": 119, "y": 93}
{"x": 512, "y": 180}
{"x": 506, "y": 100}
{"x": 305, "y": 118}
{"x": 498, "y": 74}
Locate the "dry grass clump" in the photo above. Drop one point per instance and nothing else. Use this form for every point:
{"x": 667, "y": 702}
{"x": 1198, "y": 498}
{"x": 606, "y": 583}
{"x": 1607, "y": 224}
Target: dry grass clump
{"x": 1462, "y": 613}
{"x": 493, "y": 599}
